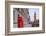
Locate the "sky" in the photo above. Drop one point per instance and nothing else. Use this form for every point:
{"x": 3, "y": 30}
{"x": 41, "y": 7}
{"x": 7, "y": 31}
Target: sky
{"x": 32, "y": 11}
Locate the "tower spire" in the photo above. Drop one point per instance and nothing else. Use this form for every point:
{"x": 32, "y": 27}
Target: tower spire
{"x": 34, "y": 16}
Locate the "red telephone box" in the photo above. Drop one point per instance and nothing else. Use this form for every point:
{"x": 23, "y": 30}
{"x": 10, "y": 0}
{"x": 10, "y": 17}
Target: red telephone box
{"x": 20, "y": 21}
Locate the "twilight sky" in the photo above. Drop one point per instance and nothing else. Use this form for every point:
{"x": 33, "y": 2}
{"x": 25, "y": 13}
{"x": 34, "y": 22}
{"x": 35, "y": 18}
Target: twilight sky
{"x": 32, "y": 11}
